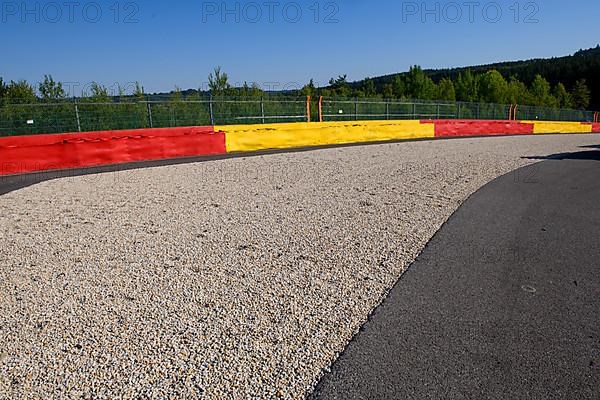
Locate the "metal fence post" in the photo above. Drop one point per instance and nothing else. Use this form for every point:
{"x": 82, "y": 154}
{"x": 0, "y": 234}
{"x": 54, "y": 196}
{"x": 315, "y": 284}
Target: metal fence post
{"x": 320, "y": 108}
{"x": 262, "y": 109}
{"x": 438, "y": 111}
{"x": 77, "y": 116}
{"x": 478, "y": 111}
{"x": 387, "y": 109}
{"x": 173, "y": 120}
{"x": 149, "y": 114}
{"x": 210, "y": 109}
{"x": 457, "y": 110}
{"x": 414, "y": 110}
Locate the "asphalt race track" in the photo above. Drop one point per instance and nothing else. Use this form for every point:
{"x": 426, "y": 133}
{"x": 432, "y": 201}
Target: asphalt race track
{"x": 504, "y": 302}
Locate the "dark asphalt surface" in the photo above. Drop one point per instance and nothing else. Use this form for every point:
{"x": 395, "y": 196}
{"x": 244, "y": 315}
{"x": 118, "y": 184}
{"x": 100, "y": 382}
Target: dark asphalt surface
{"x": 504, "y": 302}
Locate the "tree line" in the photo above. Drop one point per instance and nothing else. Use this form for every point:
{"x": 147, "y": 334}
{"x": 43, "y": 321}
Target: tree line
{"x": 49, "y": 90}
{"x": 584, "y": 64}
{"x": 488, "y": 87}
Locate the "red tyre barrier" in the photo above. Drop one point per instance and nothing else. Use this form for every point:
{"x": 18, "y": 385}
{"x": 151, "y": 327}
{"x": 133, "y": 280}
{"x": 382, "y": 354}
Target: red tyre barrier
{"x": 458, "y": 128}
{"x": 596, "y": 127}
{"x": 21, "y": 154}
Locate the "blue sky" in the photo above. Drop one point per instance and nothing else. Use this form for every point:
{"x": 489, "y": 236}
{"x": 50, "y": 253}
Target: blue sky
{"x": 278, "y": 44}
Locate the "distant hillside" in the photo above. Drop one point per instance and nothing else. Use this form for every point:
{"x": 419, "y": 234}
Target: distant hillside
{"x": 583, "y": 64}
{"x": 443, "y": 85}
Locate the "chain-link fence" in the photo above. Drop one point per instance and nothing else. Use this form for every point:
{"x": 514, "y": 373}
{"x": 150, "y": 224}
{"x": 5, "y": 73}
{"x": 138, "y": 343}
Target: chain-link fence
{"x": 81, "y": 115}
{"x": 336, "y": 109}
{"x": 84, "y": 116}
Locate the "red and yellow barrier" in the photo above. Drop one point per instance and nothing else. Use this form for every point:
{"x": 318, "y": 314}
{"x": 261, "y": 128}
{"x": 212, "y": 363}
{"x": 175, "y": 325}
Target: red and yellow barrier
{"x": 546, "y": 127}
{"x": 241, "y": 138}
{"x": 21, "y": 154}
{"x": 462, "y": 128}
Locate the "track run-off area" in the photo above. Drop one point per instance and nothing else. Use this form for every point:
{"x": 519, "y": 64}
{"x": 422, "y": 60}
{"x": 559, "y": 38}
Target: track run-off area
{"x": 234, "y": 278}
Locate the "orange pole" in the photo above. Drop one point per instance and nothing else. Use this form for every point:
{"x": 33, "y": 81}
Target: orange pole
{"x": 515, "y": 112}
{"x": 510, "y": 112}
{"x": 308, "y": 108}
{"x": 320, "y": 108}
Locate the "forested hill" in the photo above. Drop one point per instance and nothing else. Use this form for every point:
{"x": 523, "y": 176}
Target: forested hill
{"x": 584, "y": 64}
{"x": 563, "y": 82}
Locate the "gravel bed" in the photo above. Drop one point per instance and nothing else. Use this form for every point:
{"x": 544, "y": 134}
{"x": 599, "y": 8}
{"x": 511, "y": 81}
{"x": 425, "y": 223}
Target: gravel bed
{"x": 241, "y": 278}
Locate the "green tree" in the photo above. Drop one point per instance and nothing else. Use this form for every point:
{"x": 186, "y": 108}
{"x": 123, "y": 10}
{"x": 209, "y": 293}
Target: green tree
{"x": 493, "y": 87}
{"x": 50, "y": 89}
{"x": 101, "y": 115}
{"x": 388, "y": 91}
{"x": 255, "y": 90}
{"x": 540, "y": 89}
{"x": 122, "y": 93}
{"x": 339, "y": 86}
{"x": 368, "y": 88}
{"x": 3, "y": 89}
{"x": 245, "y": 90}
{"x": 138, "y": 92}
{"x": 399, "y": 87}
{"x": 420, "y": 86}
{"x": 218, "y": 82}
{"x": 581, "y": 95}
{"x": 517, "y": 92}
{"x": 467, "y": 87}
{"x": 176, "y": 95}
{"x": 309, "y": 89}
{"x": 446, "y": 90}
{"x": 563, "y": 97}
{"x": 326, "y": 92}
{"x": 20, "y": 91}
{"x": 139, "y": 111}
{"x": 99, "y": 93}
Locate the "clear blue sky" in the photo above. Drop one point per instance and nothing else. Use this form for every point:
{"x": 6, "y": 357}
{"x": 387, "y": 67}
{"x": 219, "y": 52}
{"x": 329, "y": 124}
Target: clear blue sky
{"x": 177, "y": 42}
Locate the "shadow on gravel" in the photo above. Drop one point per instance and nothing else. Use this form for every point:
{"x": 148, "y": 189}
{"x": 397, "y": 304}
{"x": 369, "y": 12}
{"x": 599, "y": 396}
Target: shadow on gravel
{"x": 580, "y": 155}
